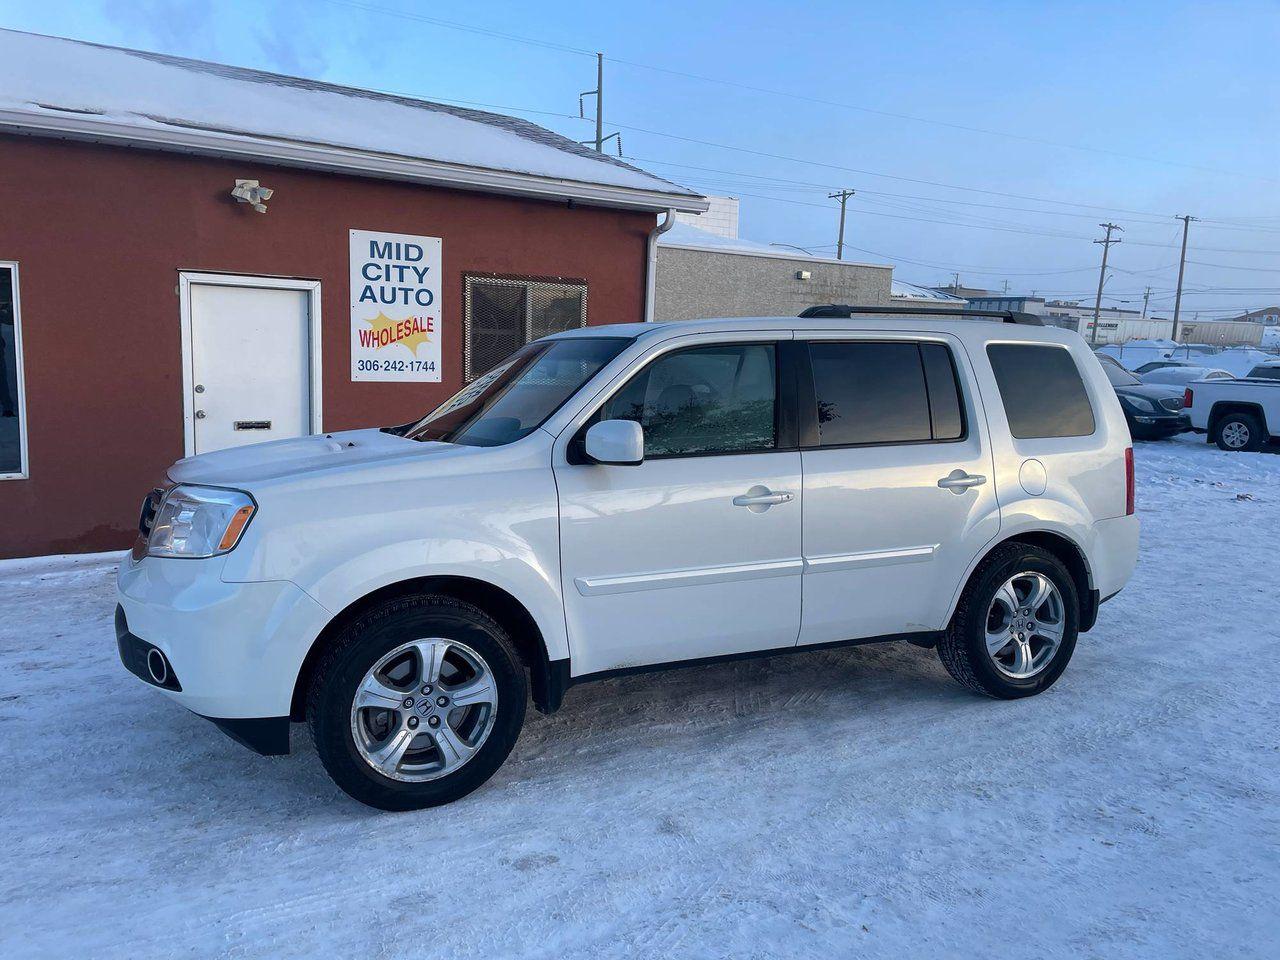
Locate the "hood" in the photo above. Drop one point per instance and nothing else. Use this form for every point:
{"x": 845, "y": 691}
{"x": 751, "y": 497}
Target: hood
{"x": 279, "y": 459}
{"x": 1152, "y": 391}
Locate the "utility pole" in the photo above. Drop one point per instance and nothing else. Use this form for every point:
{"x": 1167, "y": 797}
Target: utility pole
{"x": 843, "y": 196}
{"x": 598, "y": 93}
{"x": 1146, "y": 298}
{"x": 955, "y": 285}
{"x": 1102, "y": 274}
{"x": 1182, "y": 266}
{"x": 1006, "y": 287}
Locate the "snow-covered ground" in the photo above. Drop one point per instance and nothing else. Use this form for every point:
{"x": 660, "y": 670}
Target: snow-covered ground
{"x": 847, "y": 803}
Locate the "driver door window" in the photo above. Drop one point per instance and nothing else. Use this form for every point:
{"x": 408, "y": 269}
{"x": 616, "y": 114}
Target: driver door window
{"x": 707, "y": 400}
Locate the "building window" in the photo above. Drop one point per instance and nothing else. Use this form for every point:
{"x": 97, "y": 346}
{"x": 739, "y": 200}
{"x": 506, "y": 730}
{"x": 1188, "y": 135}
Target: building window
{"x": 502, "y": 314}
{"x": 13, "y": 413}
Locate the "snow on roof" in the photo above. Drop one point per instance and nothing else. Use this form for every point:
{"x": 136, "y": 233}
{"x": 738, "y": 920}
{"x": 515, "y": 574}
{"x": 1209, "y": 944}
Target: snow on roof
{"x": 909, "y": 291}
{"x": 685, "y": 236}
{"x": 68, "y": 87}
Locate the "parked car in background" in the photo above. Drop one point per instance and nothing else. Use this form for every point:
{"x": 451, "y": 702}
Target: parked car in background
{"x": 1235, "y": 414}
{"x": 1160, "y": 364}
{"x": 626, "y": 497}
{"x": 1270, "y": 370}
{"x": 1184, "y": 375}
{"x": 1153, "y": 410}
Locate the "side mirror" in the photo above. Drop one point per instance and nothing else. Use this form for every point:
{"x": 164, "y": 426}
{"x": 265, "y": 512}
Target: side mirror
{"x": 620, "y": 442}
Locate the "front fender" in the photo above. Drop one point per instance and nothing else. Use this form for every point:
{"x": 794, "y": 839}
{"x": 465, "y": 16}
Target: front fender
{"x": 522, "y": 575}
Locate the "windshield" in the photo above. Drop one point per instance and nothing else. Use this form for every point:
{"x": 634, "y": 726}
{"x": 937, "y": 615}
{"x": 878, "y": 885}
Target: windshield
{"x": 1118, "y": 377}
{"x": 518, "y": 395}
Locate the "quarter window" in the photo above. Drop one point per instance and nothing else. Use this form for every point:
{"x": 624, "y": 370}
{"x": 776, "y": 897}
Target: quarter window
{"x": 13, "y": 442}
{"x": 1041, "y": 389}
{"x": 719, "y": 399}
{"x": 874, "y": 392}
{"x": 502, "y": 314}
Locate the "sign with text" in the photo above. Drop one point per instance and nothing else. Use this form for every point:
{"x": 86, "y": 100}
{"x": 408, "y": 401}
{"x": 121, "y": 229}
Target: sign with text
{"x": 395, "y": 307}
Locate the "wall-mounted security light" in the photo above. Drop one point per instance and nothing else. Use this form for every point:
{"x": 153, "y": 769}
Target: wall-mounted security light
{"x": 803, "y": 275}
{"x": 252, "y": 193}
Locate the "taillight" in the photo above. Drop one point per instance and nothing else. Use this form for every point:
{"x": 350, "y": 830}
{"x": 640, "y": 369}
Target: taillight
{"x": 1128, "y": 482}
{"x": 1187, "y": 396}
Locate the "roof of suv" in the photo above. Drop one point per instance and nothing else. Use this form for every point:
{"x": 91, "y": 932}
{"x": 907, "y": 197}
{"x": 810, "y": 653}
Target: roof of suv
{"x": 993, "y": 328}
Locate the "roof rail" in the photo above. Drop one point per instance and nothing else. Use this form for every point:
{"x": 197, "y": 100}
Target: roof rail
{"x": 841, "y": 310}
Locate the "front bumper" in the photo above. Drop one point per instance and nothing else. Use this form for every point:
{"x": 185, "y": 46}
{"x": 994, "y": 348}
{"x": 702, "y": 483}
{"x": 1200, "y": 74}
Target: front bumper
{"x": 268, "y": 736}
{"x": 233, "y": 650}
{"x": 1162, "y": 424}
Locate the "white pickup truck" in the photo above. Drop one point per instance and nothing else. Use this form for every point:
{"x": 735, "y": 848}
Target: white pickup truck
{"x": 1240, "y": 414}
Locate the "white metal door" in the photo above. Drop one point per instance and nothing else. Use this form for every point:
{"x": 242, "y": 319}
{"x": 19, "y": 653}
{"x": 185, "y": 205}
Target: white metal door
{"x": 251, "y": 364}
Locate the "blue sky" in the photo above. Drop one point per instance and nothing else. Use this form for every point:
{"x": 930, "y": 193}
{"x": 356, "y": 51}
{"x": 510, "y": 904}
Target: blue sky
{"x": 1132, "y": 113}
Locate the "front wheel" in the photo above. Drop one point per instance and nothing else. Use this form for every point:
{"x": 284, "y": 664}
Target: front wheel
{"x": 1015, "y": 627}
{"x": 417, "y": 703}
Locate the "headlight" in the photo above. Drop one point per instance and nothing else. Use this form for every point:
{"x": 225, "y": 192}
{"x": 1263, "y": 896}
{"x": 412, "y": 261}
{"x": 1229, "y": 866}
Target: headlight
{"x": 199, "y": 522}
{"x": 1142, "y": 403}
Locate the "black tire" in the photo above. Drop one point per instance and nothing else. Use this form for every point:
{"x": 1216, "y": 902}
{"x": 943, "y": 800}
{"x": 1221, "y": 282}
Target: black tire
{"x": 359, "y": 646}
{"x": 1246, "y": 421}
{"x": 963, "y": 647}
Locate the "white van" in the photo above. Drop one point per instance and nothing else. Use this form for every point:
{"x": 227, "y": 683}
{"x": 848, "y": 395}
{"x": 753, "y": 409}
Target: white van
{"x": 630, "y": 497}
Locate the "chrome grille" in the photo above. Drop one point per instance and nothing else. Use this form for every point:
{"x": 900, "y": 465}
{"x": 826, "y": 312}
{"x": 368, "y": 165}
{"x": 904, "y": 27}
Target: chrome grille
{"x": 1172, "y": 404}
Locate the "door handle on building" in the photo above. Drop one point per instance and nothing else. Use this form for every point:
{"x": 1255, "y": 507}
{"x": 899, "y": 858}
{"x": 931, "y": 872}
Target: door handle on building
{"x": 959, "y": 480}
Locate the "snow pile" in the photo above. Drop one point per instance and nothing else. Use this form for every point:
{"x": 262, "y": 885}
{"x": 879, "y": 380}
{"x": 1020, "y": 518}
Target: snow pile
{"x": 837, "y": 803}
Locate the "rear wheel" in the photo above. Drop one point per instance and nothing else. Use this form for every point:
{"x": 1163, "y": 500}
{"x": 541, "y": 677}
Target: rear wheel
{"x": 1238, "y": 432}
{"x": 1015, "y": 627}
{"x": 417, "y": 703}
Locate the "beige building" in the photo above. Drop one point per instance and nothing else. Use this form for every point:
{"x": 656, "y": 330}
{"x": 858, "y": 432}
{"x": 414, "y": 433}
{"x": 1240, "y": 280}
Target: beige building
{"x": 704, "y": 274}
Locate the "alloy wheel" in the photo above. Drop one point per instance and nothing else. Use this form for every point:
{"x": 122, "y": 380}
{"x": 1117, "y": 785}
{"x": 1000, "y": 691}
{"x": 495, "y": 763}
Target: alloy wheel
{"x": 1025, "y": 625}
{"x": 424, "y": 709}
{"x": 1235, "y": 435}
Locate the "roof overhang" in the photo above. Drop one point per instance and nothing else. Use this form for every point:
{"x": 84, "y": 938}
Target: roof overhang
{"x": 159, "y": 135}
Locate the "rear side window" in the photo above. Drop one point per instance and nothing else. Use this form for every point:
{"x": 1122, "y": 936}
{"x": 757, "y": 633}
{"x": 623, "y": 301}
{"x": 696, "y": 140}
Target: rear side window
{"x": 944, "y": 392}
{"x": 1042, "y": 391}
{"x": 874, "y": 392}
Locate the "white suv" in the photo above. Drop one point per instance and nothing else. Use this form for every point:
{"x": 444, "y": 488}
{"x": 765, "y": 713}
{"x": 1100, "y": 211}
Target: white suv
{"x": 627, "y": 497}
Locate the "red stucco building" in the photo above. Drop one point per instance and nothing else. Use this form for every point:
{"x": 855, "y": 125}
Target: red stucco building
{"x": 150, "y": 314}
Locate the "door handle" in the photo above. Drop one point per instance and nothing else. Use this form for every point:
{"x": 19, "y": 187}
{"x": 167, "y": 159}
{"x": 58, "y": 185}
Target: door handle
{"x": 959, "y": 480}
{"x": 762, "y": 499}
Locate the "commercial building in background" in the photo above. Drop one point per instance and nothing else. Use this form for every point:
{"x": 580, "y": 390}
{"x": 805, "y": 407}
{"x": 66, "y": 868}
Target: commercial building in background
{"x": 1267, "y": 316}
{"x": 1115, "y": 324}
{"x": 720, "y": 218}
{"x": 195, "y": 256}
{"x": 702, "y": 274}
{"x": 905, "y": 294}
